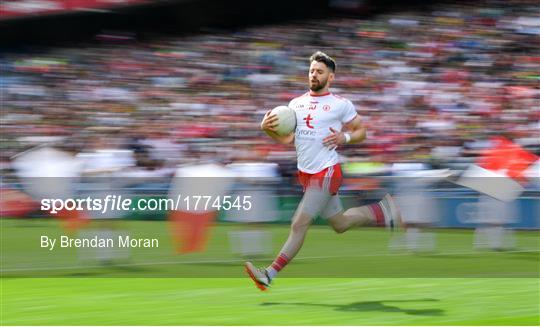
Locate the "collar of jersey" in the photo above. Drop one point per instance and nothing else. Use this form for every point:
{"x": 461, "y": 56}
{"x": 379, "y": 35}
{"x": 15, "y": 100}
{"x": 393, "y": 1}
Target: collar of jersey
{"x": 319, "y": 95}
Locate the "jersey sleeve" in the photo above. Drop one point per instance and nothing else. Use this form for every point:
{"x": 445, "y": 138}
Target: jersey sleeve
{"x": 349, "y": 112}
{"x": 291, "y": 103}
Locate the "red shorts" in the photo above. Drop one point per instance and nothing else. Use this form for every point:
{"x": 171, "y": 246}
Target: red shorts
{"x": 328, "y": 179}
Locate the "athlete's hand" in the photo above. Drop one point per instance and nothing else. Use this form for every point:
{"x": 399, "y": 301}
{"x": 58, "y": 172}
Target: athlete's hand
{"x": 269, "y": 122}
{"x": 333, "y": 140}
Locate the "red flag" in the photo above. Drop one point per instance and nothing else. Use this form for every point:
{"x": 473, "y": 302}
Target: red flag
{"x": 507, "y": 158}
{"x": 500, "y": 170}
{"x": 191, "y": 229}
{"x": 72, "y": 220}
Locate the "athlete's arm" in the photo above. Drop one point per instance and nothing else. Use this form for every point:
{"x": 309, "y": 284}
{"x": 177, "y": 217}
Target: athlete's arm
{"x": 269, "y": 124}
{"x": 354, "y": 128}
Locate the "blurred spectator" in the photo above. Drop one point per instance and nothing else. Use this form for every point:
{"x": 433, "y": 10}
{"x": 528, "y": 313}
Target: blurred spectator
{"x": 431, "y": 80}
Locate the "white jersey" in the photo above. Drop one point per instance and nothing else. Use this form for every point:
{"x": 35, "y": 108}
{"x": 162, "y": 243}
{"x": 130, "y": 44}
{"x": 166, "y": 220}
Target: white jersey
{"x": 315, "y": 114}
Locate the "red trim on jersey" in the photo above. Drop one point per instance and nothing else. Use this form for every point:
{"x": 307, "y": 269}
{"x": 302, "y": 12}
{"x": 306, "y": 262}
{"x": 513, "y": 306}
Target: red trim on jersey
{"x": 350, "y": 121}
{"x": 319, "y": 95}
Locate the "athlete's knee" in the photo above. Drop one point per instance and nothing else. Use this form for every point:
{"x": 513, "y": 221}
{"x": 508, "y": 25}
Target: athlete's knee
{"x": 340, "y": 228}
{"x": 299, "y": 227}
{"x": 301, "y": 223}
{"x": 339, "y": 223}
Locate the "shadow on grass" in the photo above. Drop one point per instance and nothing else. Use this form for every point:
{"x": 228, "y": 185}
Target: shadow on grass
{"x": 380, "y": 306}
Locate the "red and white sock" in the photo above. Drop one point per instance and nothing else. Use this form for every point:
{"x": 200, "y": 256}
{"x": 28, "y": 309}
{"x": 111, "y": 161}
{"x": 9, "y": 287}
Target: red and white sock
{"x": 378, "y": 213}
{"x": 279, "y": 263}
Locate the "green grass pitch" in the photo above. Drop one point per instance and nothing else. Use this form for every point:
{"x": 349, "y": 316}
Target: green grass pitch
{"x": 349, "y": 279}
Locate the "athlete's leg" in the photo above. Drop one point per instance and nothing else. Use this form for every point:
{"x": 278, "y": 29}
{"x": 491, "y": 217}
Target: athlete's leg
{"x": 299, "y": 227}
{"x": 313, "y": 202}
{"x": 382, "y": 213}
{"x": 297, "y": 234}
{"x": 358, "y": 216}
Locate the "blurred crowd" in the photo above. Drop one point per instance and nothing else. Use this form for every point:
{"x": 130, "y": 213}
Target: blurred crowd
{"x": 431, "y": 86}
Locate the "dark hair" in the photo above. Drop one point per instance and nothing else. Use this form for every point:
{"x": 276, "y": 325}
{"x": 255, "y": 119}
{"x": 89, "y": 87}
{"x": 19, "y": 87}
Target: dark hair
{"x": 320, "y": 56}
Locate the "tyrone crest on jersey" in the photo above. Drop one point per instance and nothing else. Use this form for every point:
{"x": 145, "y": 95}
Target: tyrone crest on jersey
{"x": 308, "y": 120}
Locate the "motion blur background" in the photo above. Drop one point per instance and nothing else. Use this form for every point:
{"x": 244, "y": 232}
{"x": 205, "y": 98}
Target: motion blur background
{"x": 167, "y": 83}
{"x": 431, "y": 80}
{"x": 117, "y": 97}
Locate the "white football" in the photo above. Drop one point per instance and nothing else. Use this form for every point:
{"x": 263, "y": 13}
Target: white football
{"x": 286, "y": 120}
